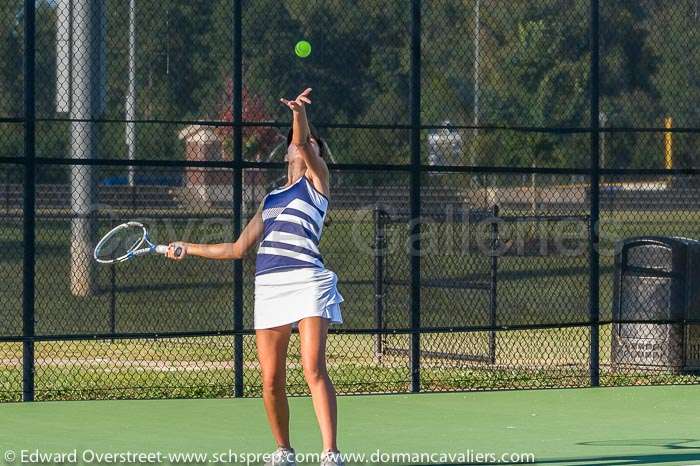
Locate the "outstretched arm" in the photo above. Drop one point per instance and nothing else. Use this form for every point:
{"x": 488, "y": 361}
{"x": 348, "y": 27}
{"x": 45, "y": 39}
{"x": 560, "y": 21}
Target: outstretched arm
{"x": 249, "y": 237}
{"x": 301, "y": 136}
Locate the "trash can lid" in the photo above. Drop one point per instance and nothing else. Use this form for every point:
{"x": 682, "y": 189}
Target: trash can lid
{"x": 662, "y": 240}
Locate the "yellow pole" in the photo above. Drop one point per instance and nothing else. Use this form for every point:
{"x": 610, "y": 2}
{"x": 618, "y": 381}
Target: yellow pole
{"x": 668, "y": 143}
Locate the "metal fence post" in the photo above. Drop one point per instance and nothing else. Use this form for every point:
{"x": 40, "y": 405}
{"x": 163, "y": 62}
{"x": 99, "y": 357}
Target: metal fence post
{"x": 29, "y": 202}
{"x": 415, "y": 102}
{"x": 379, "y": 251}
{"x": 594, "y": 298}
{"x": 237, "y": 116}
{"x": 493, "y": 282}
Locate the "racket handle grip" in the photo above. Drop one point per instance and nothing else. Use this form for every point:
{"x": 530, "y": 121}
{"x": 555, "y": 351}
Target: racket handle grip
{"x": 162, "y": 249}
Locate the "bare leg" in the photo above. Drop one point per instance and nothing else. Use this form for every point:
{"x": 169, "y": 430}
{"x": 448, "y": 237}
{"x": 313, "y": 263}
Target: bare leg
{"x": 313, "y": 332}
{"x": 272, "y": 346}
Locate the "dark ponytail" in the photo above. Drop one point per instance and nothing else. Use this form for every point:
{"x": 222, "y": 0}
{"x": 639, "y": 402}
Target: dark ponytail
{"x": 322, "y": 147}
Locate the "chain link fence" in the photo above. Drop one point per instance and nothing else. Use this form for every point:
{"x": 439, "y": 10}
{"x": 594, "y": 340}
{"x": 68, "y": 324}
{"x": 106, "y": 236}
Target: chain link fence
{"x": 488, "y": 160}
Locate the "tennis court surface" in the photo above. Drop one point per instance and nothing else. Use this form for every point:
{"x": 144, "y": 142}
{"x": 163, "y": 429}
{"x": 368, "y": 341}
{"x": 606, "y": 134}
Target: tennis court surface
{"x": 606, "y": 426}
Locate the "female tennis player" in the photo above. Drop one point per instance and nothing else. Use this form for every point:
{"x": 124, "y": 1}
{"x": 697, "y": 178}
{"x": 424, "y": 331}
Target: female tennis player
{"x": 292, "y": 286}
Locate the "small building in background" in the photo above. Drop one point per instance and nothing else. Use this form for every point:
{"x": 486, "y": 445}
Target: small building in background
{"x": 445, "y": 146}
{"x": 205, "y": 185}
{"x": 213, "y": 187}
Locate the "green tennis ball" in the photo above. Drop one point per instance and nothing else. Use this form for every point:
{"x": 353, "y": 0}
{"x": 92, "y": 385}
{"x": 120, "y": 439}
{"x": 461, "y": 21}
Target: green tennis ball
{"x": 302, "y": 49}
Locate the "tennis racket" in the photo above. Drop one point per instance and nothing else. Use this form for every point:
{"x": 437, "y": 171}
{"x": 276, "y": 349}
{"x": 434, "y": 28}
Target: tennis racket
{"x": 126, "y": 241}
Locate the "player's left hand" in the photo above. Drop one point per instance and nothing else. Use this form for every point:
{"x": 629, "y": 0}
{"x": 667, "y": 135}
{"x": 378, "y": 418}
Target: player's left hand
{"x": 298, "y": 104}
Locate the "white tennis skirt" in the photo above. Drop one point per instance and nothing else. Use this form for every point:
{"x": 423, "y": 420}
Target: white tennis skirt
{"x": 288, "y": 296}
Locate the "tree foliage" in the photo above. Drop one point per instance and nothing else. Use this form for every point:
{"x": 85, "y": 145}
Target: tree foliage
{"x": 533, "y": 72}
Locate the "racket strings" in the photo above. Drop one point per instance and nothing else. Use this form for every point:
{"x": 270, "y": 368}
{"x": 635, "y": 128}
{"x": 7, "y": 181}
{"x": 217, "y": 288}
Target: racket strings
{"x": 119, "y": 243}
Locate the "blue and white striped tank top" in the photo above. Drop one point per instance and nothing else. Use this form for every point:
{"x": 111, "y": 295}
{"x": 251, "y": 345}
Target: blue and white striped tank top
{"x": 292, "y": 226}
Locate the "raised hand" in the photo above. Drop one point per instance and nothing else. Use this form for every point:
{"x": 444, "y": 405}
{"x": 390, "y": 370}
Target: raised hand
{"x": 297, "y": 105}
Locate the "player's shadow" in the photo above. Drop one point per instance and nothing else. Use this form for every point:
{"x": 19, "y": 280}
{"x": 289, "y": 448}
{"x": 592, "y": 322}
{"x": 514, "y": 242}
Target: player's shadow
{"x": 681, "y": 450}
{"x": 674, "y": 451}
{"x": 686, "y": 450}
{"x": 672, "y": 444}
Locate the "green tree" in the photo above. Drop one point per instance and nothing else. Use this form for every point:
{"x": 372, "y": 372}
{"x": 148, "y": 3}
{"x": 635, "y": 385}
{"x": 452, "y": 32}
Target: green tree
{"x": 628, "y": 92}
{"x": 673, "y": 34}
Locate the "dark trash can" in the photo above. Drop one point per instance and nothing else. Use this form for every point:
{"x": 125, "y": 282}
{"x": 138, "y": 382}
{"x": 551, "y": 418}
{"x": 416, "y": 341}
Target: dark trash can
{"x": 657, "y": 279}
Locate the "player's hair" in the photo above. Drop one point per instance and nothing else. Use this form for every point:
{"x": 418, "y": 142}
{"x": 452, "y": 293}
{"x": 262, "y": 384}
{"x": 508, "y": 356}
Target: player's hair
{"x": 322, "y": 146}
{"x": 323, "y": 151}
